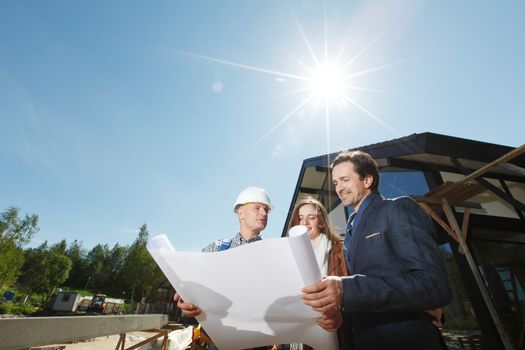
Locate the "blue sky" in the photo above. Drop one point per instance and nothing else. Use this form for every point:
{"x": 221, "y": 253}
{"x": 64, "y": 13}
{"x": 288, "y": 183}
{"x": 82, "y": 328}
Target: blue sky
{"x": 119, "y": 113}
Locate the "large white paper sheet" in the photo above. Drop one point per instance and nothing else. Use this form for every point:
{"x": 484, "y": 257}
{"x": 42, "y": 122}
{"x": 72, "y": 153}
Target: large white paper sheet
{"x": 250, "y": 295}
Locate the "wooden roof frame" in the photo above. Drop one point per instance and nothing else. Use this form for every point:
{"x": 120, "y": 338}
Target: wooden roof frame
{"x": 450, "y": 193}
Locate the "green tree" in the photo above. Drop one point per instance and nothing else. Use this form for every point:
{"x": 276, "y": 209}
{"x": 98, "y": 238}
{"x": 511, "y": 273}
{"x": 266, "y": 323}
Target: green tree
{"x": 97, "y": 270}
{"x": 97, "y": 258}
{"x": 33, "y": 277}
{"x": 114, "y": 268}
{"x": 58, "y": 266}
{"x": 105, "y": 265}
{"x": 78, "y": 276}
{"x": 44, "y": 269}
{"x": 14, "y": 234}
{"x": 59, "y": 248}
{"x": 140, "y": 273}
{"x": 11, "y": 260}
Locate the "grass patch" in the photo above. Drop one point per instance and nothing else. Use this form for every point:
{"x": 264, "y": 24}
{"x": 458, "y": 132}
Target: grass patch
{"x": 13, "y": 309}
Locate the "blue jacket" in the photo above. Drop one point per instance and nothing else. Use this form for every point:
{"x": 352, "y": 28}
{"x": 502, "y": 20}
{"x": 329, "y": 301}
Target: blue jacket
{"x": 396, "y": 272}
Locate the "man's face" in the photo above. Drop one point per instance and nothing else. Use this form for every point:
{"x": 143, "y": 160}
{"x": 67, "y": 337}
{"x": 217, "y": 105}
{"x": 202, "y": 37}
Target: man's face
{"x": 350, "y": 189}
{"x": 254, "y": 216}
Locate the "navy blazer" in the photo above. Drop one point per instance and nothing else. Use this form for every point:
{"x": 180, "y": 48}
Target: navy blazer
{"x": 396, "y": 272}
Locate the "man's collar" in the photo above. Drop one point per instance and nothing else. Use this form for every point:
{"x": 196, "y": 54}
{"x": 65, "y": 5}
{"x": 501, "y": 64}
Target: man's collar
{"x": 356, "y": 216}
{"x": 254, "y": 238}
{"x": 366, "y": 201}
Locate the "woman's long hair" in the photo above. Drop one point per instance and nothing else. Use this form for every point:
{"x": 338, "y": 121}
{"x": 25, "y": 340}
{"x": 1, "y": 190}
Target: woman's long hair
{"x": 322, "y": 214}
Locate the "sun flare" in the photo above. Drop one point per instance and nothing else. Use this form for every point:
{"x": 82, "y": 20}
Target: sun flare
{"x": 327, "y": 83}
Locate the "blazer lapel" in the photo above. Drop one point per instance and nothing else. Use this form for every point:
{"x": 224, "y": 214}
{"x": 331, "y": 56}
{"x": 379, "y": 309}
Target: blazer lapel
{"x": 357, "y": 231}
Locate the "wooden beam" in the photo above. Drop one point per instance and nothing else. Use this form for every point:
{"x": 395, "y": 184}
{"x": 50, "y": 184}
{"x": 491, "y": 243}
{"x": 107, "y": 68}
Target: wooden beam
{"x": 514, "y": 168}
{"x": 454, "y": 192}
{"x": 436, "y": 217}
{"x": 464, "y": 227}
{"x": 503, "y": 159}
{"x": 477, "y": 277}
{"x": 147, "y": 341}
{"x": 121, "y": 342}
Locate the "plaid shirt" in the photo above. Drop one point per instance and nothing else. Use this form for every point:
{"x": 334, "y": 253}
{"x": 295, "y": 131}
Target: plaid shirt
{"x": 236, "y": 241}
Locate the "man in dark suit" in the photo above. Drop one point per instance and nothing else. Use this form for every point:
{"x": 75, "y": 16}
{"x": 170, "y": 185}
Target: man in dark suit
{"x": 396, "y": 271}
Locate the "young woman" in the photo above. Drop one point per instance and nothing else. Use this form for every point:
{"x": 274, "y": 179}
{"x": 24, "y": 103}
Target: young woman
{"x": 326, "y": 243}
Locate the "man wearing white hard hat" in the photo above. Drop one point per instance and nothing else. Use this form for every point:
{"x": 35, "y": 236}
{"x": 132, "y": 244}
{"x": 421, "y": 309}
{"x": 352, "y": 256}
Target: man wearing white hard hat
{"x": 252, "y": 208}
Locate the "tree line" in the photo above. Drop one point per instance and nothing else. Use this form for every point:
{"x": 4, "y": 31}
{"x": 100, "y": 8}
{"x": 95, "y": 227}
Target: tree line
{"x": 128, "y": 272}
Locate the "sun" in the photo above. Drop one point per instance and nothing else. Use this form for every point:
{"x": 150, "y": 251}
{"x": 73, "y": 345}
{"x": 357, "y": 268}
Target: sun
{"x": 327, "y": 83}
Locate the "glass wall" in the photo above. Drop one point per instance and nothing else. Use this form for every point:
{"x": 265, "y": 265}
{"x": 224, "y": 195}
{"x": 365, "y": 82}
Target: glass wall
{"x": 500, "y": 254}
{"x": 402, "y": 183}
{"x": 502, "y": 266}
{"x": 459, "y": 314}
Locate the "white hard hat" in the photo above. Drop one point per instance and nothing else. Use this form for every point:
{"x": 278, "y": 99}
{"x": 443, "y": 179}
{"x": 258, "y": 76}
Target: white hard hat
{"x": 252, "y": 195}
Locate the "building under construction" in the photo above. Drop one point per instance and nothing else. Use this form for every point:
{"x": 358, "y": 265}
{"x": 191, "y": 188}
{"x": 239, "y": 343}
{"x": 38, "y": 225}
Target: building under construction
{"x": 475, "y": 192}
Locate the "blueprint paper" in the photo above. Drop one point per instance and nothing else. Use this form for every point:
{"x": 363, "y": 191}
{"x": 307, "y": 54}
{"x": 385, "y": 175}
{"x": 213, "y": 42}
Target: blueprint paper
{"x": 250, "y": 295}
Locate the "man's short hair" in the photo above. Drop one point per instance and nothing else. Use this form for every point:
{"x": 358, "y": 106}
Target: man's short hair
{"x": 364, "y": 165}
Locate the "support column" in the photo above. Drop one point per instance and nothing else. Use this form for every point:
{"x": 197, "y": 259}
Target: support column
{"x": 475, "y": 272}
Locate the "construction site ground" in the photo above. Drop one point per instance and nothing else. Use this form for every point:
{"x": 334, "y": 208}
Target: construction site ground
{"x": 105, "y": 343}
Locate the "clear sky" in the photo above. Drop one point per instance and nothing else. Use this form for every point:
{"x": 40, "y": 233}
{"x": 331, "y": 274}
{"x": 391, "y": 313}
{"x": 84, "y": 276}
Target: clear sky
{"x": 119, "y": 113}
